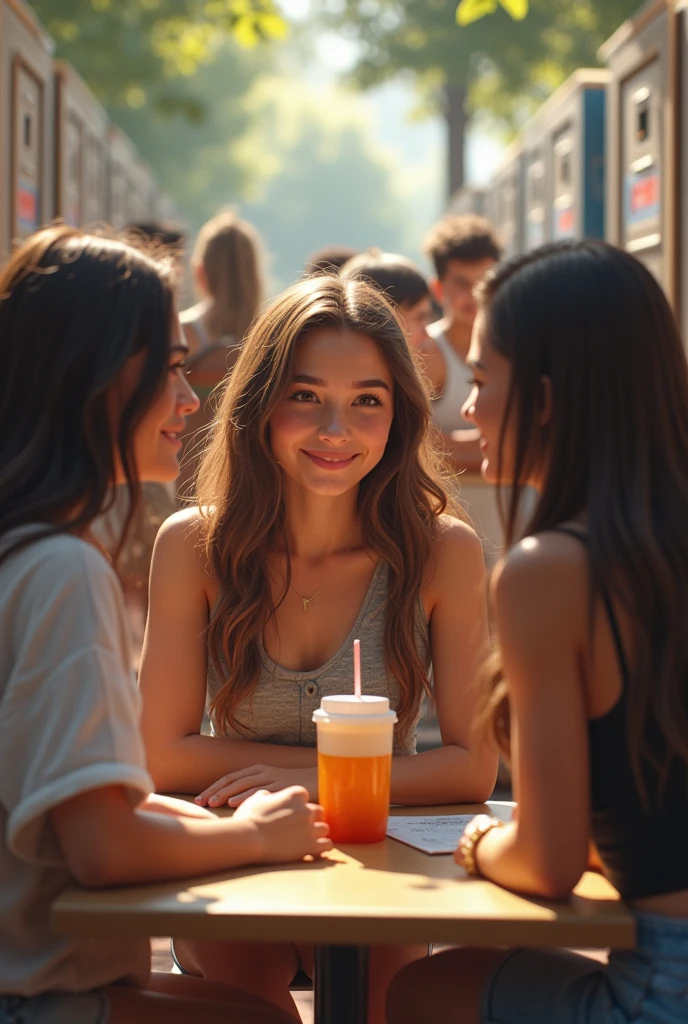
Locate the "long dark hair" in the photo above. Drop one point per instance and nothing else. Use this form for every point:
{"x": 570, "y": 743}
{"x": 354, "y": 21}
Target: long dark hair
{"x": 595, "y": 322}
{"x": 73, "y": 308}
{"x": 399, "y": 500}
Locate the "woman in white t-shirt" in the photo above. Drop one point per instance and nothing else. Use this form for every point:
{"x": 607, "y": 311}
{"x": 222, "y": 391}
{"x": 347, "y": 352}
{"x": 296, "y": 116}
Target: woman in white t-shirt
{"x": 91, "y": 323}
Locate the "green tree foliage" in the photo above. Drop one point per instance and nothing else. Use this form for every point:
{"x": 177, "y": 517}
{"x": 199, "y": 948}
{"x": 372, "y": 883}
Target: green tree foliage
{"x": 509, "y": 66}
{"x": 319, "y": 176}
{"x": 195, "y": 160}
{"x": 133, "y": 53}
{"x": 471, "y": 10}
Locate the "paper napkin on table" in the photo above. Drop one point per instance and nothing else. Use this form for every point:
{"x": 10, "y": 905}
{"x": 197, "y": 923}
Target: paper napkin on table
{"x": 430, "y": 835}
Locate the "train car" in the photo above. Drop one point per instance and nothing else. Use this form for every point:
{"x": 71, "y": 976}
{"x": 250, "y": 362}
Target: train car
{"x": 642, "y": 141}
{"x": 467, "y": 199}
{"x": 570, "y": 129}
{"x": 535, "y": 186}
{"x": 504, "y": 201}
{"x": 123, "y": 158}
{"x": 26, "y": 124}
{"x": 144, "y": 197}
{"x": 81, "y": 151}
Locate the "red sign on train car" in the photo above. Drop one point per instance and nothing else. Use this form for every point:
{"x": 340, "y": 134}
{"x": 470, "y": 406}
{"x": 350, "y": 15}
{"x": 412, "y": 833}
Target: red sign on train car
{"x": 27, "y": 207}
{"x": 565, "y": 223}
{"x": 645, "y": 193}
{"x": 643, "y": 197}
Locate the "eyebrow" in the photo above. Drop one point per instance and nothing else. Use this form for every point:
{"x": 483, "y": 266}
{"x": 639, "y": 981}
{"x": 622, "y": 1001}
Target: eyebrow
{"x": 476, "y": 364}
{"x": 180, "y": 347}
{"x": 357, "y": 385}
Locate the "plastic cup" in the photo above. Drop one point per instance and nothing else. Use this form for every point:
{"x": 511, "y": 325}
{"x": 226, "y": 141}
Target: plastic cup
{"x": 355, "y": 740}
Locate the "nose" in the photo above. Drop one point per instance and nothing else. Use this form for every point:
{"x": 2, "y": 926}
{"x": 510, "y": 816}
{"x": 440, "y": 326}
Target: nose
{"x": 468, "y": 407}
{"x": 188, "y": 401}
{"x": 333, "y": 426}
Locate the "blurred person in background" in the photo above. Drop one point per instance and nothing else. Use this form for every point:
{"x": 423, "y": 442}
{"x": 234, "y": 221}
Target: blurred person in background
{"x": 228, "y": 272}
{"x": 329, "y": 259}
{"x": 162, "y": 235}
{"x": 402, "y": 282}
{"x": 462, "y": 249}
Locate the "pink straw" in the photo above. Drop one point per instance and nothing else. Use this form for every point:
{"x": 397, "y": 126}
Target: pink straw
{"x": 357, "y": 668}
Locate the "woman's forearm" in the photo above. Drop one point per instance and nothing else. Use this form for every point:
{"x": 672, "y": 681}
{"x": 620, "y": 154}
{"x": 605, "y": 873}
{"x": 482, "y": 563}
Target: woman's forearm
{"x": 503, "y": 856}
{"x": 195, "y": 762}
{"x": 447, "y": 775}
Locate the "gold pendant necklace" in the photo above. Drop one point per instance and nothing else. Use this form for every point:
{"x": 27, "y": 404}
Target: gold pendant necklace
{"x": 305, "y": 601}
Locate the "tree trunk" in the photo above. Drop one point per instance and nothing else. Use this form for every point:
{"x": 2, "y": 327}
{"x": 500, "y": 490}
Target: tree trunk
{"x": 455, "y": 95}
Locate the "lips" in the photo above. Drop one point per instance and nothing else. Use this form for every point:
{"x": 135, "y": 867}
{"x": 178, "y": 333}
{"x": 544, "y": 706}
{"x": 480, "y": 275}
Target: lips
{"x": 483, "y": 444}
{"x": 173, "y": 436}
{"x": 331, "y": 460}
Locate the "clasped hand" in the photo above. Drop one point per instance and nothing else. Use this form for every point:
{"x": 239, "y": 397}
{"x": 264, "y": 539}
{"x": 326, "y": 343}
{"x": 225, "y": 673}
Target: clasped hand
{"x": 234, "y": 788}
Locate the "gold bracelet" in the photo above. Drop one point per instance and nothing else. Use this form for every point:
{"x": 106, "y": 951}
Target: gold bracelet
{"x": 468, "y": 843}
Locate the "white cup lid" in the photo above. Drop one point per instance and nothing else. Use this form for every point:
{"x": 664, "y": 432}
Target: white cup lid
{"x": 348, "y": 704}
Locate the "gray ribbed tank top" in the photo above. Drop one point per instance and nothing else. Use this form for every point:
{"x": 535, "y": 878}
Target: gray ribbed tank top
{"x": 280, "y": 710}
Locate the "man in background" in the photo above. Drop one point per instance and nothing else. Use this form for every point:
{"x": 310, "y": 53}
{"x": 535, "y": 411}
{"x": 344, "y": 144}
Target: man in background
{"x": 462, "y": 249}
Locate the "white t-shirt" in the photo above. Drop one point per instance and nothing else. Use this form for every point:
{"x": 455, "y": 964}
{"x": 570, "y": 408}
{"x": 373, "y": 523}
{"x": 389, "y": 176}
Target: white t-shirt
{"x": 475, "y": 495}
{"x": 69, "y": 722}
{"x": 446, "y": 409}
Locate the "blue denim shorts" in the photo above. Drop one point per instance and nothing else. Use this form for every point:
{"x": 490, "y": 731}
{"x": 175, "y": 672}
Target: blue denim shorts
{"x": 645, "y": 985}
{"x": 55, "y": 1008}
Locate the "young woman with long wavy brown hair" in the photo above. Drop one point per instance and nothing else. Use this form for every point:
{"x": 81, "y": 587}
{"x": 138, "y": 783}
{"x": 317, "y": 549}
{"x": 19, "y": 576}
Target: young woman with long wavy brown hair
{"x": 581, "y": 389}
{"x": 321, "y": 519}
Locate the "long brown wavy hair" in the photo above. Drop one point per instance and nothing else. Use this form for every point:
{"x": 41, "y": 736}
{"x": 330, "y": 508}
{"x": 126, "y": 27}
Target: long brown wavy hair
{"x": 594, "y": 320}
{"x": 241, "y": 490}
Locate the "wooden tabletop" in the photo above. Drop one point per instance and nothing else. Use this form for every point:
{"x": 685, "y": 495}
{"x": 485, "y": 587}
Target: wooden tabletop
{"x": 359, "y": 895}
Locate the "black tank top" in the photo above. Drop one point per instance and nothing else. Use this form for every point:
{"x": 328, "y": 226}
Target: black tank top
{"x": 644, "y": 849}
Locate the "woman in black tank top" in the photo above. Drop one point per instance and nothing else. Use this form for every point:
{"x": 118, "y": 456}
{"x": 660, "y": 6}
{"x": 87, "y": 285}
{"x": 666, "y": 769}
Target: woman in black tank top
{"x": 581, "y": 391}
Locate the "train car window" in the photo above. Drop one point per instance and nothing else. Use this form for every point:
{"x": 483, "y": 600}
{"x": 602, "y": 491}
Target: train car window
{"x": 539, "y": 185}
{"x": 642, "y": 114}
{"x": 27, "y": 130}
{"x": 565, "y": 168}
{"x": 563, "y": 164}
{"x": 643, "y": 122}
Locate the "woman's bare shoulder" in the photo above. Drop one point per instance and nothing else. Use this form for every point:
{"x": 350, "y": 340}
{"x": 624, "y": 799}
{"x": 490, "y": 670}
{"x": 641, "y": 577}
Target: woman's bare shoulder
{"x": 544, "y": 554}
{"x": 456, "y": 537}
{"x": 456, "y": 559}
{"x": 545, "y": 576}
{"x": 181, "y": 540}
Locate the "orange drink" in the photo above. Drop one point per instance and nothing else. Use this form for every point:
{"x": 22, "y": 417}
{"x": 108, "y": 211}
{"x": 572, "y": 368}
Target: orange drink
{"x": 354, "y": 793}
{"x": 355, "y": 737}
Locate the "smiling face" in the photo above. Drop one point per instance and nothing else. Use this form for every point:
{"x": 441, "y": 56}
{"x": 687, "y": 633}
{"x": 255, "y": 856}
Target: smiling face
{"x": 156, "y": 437}
{"x": 331, "y": 428}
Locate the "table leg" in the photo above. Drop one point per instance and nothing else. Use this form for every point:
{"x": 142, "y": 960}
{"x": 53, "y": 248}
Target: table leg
{"x": 341, "y": 984}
